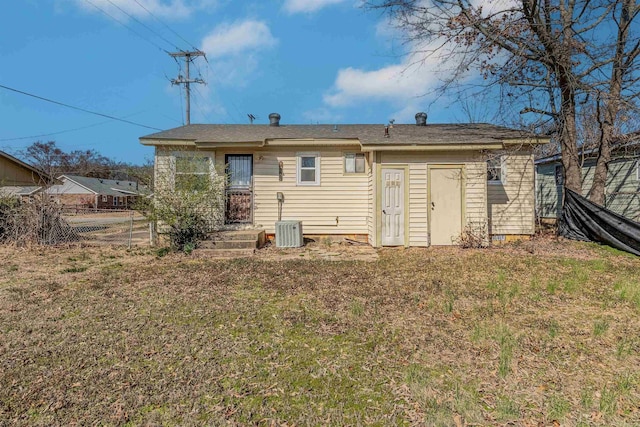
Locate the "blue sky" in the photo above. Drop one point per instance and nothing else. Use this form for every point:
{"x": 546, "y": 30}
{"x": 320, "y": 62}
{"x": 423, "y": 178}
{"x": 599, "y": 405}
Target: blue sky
{"x": 312, "y": 61}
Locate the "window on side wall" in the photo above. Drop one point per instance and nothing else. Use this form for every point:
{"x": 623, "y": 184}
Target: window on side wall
{"x": 354, "y": 163}
{"x": 308, "y": 169}
{"x": 559, "y": 175}
{"x": 496, "y": 170}
{"x": 192, "y": 172}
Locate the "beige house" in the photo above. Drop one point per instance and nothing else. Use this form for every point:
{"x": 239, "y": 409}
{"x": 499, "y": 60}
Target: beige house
{"x": 20, "y": 179}
{"x": 397, "y": 185}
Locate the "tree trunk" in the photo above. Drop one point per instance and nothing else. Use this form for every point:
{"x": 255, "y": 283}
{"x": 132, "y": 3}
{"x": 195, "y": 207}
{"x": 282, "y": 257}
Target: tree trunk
{"x": 612, "y": 105}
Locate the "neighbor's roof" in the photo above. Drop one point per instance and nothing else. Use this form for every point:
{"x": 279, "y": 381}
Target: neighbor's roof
{"x": 108, "y": 187}
{"x": 366, "y": 135}
{"x": 626, "y": 146}
{"x": 19, "y": 190}
{"x": 33, "y": 169}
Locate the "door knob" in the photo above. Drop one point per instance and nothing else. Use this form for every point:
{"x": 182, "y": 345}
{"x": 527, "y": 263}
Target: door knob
{"x": 384, "y": 212}
{"x": 433, "y": 206}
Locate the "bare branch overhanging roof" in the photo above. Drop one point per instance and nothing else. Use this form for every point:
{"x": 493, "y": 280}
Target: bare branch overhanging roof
{"x": 366, "y": 135}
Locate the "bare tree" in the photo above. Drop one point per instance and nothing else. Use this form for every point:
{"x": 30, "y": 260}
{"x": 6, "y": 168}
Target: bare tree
{"x": 549, "y": 57}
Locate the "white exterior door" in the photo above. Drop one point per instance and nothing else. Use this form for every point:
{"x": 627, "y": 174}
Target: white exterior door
{"x": 393, "y": 207}
{"x": 445, "y": 187}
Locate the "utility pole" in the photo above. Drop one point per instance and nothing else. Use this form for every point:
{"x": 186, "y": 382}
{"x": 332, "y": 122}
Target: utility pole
{"x": 186, "y": 80}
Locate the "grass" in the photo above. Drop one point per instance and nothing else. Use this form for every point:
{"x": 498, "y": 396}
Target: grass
{"x": 434, "y": 337}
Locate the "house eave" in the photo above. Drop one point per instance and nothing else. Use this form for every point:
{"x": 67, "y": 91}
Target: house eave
{"x": 432, "y": 147}
{"x": 351, "y": 142}
{"x": 227, "y": 144}
{"x": 168, "y": 142}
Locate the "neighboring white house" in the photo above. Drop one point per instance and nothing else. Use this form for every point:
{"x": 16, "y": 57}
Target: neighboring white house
{"x": 400, "y": 185}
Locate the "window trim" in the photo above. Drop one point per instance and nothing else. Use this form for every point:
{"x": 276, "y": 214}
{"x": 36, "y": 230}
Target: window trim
{"x": 299, "y": 157}
{"x": 344, "y": 162}
{"x": 503, "y": 172}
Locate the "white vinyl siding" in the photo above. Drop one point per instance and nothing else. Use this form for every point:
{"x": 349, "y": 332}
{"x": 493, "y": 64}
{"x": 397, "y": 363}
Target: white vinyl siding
{"x": 338, "y": 205}
{"x": 474, "y": 205}
{"x": 512, "y": 204}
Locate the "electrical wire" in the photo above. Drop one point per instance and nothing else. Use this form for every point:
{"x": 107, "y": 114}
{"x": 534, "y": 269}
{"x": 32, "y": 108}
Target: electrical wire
{"x": 169, "y": 28}
{"x": 144, "y": 25}
{"x": 78, "y": 108}
{"x": 126, "y": 26}
{"x": 61, "y": 131}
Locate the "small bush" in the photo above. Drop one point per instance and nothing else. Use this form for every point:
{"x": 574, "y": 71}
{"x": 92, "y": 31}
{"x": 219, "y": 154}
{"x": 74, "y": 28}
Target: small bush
{"x": 188, "y": 208}
{"x": 38, "y": 222}
{"x": 473, "y": 236}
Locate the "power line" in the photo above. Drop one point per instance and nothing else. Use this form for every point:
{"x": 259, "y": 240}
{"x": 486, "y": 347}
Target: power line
{"x": 59, "y": 132}
{"x": 126, "y": 26}
{"x": 168, "y": 27}
{"x": 143, "y": 24}
{"x": 77, "y": 108}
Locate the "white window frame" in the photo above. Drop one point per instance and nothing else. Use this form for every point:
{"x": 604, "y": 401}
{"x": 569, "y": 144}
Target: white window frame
{"x": 192, "y": 154}
{"x": 299, "y": 168}
{"x": 638, "y": 170}
{"x": 355, "y": 158}
{"x": 503, "y": 171}
{"x": 104, "y": 199}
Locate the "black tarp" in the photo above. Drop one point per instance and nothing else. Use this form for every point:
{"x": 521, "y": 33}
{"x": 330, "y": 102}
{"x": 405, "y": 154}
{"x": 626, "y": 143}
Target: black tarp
{"x": 586, "y": 221}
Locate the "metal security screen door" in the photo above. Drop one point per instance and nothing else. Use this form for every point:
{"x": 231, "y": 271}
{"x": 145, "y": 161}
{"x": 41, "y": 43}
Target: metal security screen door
{"x": 393, "y": 207}
{"x": 239, "y": 191}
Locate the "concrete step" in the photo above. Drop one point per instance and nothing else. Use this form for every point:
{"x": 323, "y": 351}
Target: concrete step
{"x": 223, "y": 253}
{"x": 237, "y": 235}
{"x": 229, "y": 244}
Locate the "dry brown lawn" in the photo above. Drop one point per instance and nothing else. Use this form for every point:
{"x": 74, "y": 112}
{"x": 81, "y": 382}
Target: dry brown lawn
{"x": 536, "y": 334}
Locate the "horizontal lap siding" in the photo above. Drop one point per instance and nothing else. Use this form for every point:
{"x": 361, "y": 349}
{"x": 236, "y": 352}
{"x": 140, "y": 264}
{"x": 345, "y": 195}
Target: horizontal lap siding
{"x": 512, "y": 203}
{"x": 475, "y": 207}
{"x": 549, "y": 195}
{"x": 621, "y": 192}
{"x": 339, "y": 205}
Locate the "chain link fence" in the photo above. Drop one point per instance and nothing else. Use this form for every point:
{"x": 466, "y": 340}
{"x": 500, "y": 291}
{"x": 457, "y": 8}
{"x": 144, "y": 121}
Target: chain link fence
{"x": 108, "y": 227}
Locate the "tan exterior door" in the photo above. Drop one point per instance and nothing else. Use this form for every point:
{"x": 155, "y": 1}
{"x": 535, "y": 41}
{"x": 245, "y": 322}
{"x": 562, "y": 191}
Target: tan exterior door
{"x": 445, "y": 204}
{"x": 393, "y": 207}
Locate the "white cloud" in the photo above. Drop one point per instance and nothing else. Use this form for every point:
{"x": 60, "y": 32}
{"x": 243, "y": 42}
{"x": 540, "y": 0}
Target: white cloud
{"x": 237, "y": 38}
{"x": 173, "y": 9}
{"x": 308, "y": 6}
{"x": 236, "y": 49}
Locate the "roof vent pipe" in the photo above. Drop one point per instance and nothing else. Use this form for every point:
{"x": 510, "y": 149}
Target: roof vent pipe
{"x": 421, "y": 119}
{"x": 274, "y": 119}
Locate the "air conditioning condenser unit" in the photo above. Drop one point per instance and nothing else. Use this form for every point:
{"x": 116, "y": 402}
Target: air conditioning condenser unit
{"x": 289, "y": 234}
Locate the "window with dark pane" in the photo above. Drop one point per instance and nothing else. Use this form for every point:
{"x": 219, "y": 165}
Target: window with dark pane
{"x": 494, "y": 169}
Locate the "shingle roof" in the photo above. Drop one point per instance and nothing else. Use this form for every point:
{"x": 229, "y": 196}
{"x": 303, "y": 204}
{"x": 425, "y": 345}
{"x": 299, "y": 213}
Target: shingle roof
{"x": 109, "y": 187}
{"x": 475, "y": 133}
{"x": 19, "y": 190}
